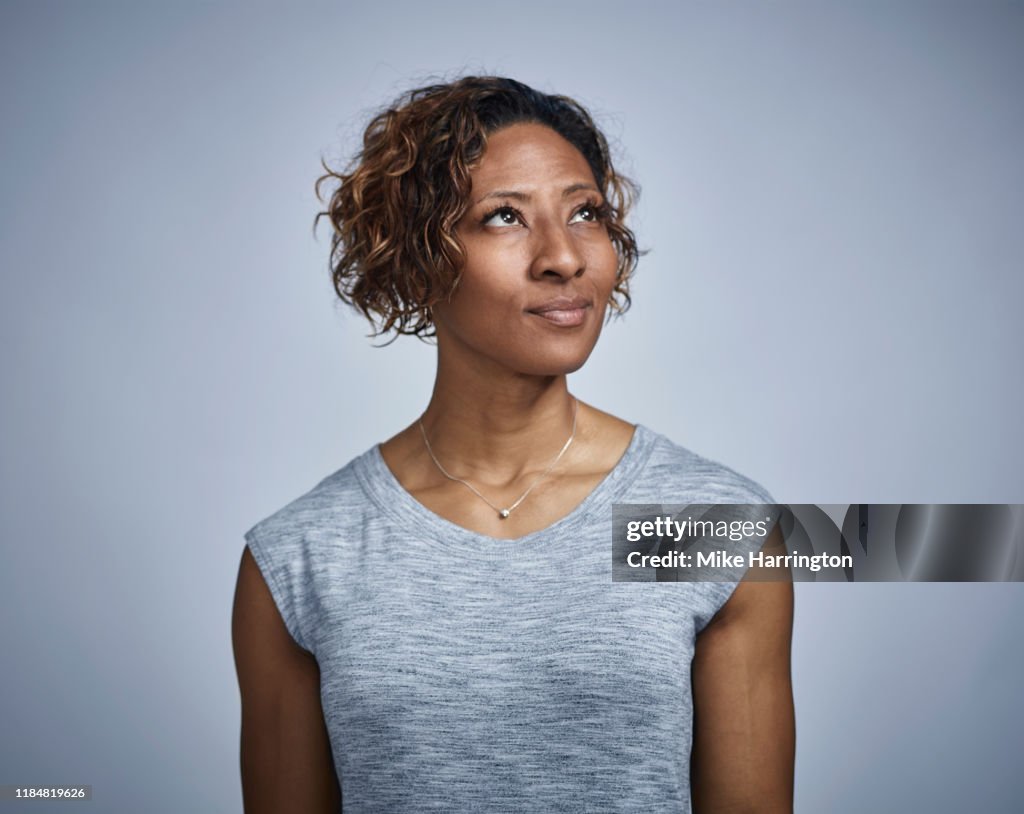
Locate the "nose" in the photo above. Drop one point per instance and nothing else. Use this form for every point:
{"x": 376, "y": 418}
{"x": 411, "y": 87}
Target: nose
{"x": 557, "y": 253}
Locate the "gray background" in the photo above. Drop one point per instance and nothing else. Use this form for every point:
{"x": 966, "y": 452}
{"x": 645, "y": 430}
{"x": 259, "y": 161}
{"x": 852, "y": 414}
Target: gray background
{"x": 832, "y": 196}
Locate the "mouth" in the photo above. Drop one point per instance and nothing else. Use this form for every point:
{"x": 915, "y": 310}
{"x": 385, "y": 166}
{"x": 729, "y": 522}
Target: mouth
{"x": 567, "y": 317}
{"x": 566, "y": 312}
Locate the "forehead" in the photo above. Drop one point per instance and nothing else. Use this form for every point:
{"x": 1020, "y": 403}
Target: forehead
{"x": 529, "y": 154}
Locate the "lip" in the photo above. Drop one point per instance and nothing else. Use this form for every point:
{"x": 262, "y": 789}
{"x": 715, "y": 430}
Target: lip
{"x": 566, "y": 312}
{"x": 560, "y": 304}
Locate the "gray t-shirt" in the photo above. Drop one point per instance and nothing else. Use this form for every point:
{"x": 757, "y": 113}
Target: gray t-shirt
{"x": 463, "y": 673}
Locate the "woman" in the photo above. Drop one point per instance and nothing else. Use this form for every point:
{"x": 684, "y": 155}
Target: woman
{"x": 434, "y": 626}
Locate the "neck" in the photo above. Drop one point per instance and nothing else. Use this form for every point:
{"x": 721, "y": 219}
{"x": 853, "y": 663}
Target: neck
{"x": 497, "y": 431}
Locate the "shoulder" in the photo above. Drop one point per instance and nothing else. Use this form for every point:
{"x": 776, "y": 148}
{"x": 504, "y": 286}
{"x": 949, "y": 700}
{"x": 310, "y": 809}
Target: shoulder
{"x": 333, "y": 496}
{"x": 314, "y": 524}
{"x": 675, "y": 470}
{"x": 298, "y": 546}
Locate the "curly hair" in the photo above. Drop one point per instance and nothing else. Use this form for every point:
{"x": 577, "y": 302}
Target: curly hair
{"x": 394, "y": 251}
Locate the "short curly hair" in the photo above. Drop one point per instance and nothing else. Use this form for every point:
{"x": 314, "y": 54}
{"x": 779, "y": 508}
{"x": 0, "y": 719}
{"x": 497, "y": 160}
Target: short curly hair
{"x": 394, "y": 251}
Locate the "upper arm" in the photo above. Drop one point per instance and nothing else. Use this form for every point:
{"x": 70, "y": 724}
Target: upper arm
{"x": 744, "y": 729}
{"x": 286, "y": 760}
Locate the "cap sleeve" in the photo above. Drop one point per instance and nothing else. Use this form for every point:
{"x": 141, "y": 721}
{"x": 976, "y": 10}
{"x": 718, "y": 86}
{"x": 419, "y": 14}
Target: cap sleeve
{"x": 285, "y": 571}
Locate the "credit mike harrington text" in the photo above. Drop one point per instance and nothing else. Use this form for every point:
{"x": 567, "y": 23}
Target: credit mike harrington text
{"x": 822, "y": 543}
{"x": 723, "y": 560}
{"x": 666, "y": 528}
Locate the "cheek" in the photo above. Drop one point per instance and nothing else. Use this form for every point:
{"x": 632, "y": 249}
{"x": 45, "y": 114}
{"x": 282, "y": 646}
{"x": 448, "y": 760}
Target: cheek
{"x": 476, "y": 288}
{"x": 493, "y": 277}
{"x": 604, "y": 263}
{"x": 481, "y": 307}
{"x": 484, "y": 303}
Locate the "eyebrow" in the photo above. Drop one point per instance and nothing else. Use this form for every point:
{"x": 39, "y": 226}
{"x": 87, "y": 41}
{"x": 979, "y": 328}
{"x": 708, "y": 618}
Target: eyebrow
{"x": 524, "y": 196}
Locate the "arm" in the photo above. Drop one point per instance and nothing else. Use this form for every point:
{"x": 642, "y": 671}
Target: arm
{"x": 744, "y": 729}
{"x": 286, "y": 757}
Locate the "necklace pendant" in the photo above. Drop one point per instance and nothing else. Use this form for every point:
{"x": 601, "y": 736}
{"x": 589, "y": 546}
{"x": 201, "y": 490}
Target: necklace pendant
{"x": 503, "y": 513}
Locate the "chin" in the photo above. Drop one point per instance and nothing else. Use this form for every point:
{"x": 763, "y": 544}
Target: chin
{"x": 554, "y": 364}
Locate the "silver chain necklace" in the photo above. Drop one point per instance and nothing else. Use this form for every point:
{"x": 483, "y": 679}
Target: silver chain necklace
{"x": 504, "y": 513}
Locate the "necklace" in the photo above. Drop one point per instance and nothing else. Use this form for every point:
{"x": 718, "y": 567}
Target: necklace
{"x": 504, "y": 513}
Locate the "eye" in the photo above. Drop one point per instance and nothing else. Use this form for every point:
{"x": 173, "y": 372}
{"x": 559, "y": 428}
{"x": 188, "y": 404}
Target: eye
{"x": 586, "y": 213}
{"x": 502, "y": 216}
{"x": 590, "y": 212}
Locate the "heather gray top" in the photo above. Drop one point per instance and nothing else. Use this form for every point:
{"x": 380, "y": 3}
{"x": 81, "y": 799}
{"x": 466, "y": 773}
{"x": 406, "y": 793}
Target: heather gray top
{"x": 463, "y": 673}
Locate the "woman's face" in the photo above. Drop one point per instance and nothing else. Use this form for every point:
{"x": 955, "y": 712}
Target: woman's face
{"x": 539, "y": 267}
